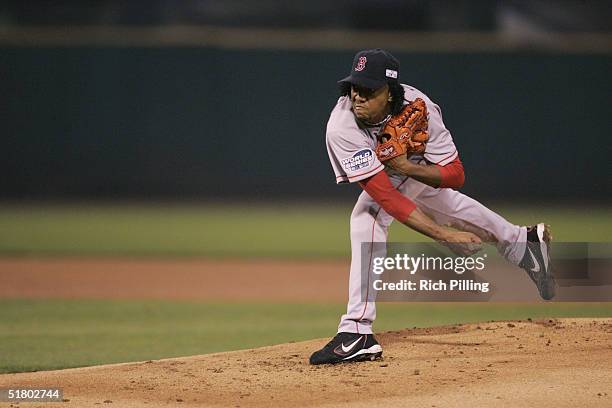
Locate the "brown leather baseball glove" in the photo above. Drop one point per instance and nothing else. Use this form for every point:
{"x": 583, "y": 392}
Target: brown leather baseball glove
{"x": 405, "y": 132}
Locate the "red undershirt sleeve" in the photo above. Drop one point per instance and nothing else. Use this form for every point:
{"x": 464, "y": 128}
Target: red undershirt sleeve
{"x": 379, "y": 187}
{"x": 452, "y": 174}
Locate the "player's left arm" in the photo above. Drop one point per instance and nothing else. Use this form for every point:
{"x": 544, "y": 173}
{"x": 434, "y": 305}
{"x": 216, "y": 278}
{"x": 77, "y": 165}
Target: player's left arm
{"x": 450, "y": 175}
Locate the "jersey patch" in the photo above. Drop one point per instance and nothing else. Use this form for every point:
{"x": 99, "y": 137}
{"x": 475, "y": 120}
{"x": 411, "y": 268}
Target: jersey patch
{"x": 360, "y": 160}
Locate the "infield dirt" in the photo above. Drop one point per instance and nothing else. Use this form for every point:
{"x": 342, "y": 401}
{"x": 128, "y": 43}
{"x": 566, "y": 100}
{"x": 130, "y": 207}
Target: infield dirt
{"x": 560, "y": 363}
{"x": 176, "y": 279}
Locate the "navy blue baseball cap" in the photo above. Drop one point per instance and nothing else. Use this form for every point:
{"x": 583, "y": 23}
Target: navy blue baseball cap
{"x": 373, "y": 69}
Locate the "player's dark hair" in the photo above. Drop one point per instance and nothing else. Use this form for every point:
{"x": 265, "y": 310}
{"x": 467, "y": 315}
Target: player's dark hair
{"x": 397, "y": 95}
{"x": 395, "y": 90}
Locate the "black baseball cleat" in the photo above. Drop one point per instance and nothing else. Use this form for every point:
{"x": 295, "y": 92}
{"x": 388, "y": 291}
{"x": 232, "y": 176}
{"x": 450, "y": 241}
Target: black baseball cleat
{"x": 348, "y": 347}
{"x": 536, "y": 260}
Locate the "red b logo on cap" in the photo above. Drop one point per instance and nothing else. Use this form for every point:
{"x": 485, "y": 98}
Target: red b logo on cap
{"x": 361, "y": 64}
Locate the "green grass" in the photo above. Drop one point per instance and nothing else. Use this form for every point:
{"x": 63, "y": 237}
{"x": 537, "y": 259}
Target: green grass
{"x": 53, "y": 334}
{"x": 48, "y": 334}
{"x": 232, "y": 230}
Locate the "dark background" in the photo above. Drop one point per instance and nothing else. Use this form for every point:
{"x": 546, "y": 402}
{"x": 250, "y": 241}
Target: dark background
{"x": 199, "y": 123}
{"x": 225, "y": 99}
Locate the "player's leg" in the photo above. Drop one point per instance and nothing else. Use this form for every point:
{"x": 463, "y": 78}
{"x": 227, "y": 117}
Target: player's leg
{"x": 355, "y": 340}
{"x": 369, "y": 230}
{"x": 526, "y": 247}
{"x": 369, "y": 225}
{"x": 450, "y": 207}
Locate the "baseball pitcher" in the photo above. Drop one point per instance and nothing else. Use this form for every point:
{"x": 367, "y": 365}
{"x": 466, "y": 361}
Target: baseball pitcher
{"x": 390, "y": 139}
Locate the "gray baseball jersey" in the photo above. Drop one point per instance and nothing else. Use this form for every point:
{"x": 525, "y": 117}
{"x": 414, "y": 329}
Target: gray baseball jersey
{"x": 350, "y": 144}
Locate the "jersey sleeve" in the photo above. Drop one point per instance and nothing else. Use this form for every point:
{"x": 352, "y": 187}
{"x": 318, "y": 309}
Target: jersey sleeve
{"x": 352, "y": 159}
{"x": 440, "y": 148}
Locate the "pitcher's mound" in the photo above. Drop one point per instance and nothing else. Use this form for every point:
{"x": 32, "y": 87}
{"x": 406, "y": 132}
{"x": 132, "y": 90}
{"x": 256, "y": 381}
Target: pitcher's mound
{"x": 551, "y": 363}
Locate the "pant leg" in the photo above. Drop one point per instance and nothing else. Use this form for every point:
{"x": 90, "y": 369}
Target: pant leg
{"x": 369, "y": 231}
{"x": 369, "y": 224}
{"x": 449, "y": 207}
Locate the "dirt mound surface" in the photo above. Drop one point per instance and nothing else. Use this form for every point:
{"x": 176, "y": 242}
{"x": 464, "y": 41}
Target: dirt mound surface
{"x": 561, "y": 363}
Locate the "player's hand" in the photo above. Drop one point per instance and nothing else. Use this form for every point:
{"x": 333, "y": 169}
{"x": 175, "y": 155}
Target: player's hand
{"x": 463, "y": 243}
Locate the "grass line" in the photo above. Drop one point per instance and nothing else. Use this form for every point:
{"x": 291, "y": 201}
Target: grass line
{"x": 231, "y": 231}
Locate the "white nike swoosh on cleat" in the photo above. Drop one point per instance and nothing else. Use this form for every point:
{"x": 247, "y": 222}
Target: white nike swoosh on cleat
{"x": 348, "y": 348}
{"x": 372, "y": 350}
{"x": 536, "y": 267}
